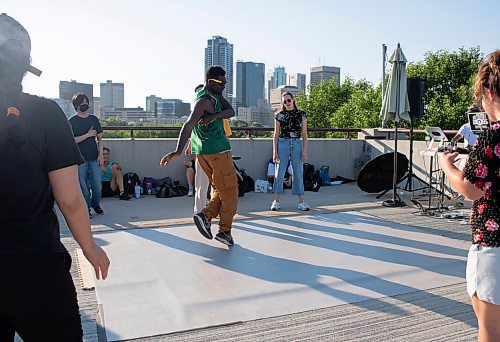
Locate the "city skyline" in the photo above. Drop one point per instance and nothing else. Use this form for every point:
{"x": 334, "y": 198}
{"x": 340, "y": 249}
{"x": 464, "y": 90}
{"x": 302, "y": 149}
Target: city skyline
{"x": 157, "y": 47}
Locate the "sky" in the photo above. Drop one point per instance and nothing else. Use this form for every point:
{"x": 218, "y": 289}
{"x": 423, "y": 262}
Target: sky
{"x": 156, "y": 47}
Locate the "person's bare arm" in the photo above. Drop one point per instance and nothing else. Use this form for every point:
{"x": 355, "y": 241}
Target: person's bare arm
{"x": 456, "y": 137}
{"x": 456, "y": 177}
{"x": 68, "y": 195}
{"x": 227, "y": 109}
{"x": 91, "y": 133}
{"x": 100, "y": 159}
{"x": 305, "y": 142}
{"x": 201, "y": 106}
{"x": 226, "y": 113}
{"x": 275, "y": 141}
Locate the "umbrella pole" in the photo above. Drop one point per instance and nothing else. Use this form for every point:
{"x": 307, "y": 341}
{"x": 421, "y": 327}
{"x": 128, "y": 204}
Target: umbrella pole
{"x": 395, "y": 196}
{"x": 396, "y": 200}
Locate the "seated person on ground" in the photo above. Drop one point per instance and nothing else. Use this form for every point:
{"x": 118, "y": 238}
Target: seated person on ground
{"x": 190, "y": 172}
{"x": 271, "y": 170}
{"x": 112, "y": 178}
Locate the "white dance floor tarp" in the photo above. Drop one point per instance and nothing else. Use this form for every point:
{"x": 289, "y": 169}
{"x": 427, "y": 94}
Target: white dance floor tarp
{"x": 172, "y": 279}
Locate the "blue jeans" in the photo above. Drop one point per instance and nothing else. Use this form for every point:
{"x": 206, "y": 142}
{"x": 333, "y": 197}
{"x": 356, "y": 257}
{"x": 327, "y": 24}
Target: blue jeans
{"x": 89, "y": 175}
{"x": 290, "y": 148}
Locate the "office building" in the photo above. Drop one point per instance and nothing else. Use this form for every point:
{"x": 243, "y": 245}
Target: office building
{"x": 68, "y": 89}
{"x": 324, "y": 73}
{"x": 97, "y": 107}
{"x": 112, "y": 95}
{"x": 130, "y": 115}
{"x": 275, "y": 95}
{"x": 260, "y": 114}
{"x": 220, "y": 52}
{"x": 151, "y": 103}
{"x": 172, "y": 108}
{"x": 66, "y": 107}
{"x": 297, "y": 80}
{"x": 276, "y": 79}
{"x": 249, "y": 84}
{"x": 279, "y": 77}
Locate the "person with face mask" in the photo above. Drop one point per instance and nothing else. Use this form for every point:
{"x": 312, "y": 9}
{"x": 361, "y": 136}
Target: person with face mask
{"x": 37, "y": 149}
{"x": 88, "y": 135}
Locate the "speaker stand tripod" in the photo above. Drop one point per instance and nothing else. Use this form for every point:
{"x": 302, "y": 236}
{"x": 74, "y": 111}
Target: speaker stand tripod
{"x": 409, "y": 176}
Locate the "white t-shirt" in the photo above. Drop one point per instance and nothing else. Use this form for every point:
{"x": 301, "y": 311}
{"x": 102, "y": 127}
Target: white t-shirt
{"x": 469, "y": 136}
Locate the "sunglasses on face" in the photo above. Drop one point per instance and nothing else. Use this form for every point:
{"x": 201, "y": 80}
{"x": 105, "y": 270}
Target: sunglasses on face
{"x": 287, "y": 100}
{"x": 217, "y": 81}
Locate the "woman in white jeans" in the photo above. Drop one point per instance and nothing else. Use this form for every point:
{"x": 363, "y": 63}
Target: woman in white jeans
{"x": 290, "y": 142}
{"x": 480, "y": 182}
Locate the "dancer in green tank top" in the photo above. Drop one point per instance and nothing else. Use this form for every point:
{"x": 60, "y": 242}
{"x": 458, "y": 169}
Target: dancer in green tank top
{"x": 211, "y": 146}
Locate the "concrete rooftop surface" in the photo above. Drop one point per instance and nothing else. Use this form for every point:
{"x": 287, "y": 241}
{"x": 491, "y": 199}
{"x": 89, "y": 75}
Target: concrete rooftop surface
{"x": 439, "y": 311}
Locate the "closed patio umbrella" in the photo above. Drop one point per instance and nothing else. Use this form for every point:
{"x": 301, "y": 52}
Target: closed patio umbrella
{"x": 396, "y": 107}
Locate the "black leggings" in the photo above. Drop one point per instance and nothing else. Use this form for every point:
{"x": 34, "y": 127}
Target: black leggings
{"x": 38, "y": 298}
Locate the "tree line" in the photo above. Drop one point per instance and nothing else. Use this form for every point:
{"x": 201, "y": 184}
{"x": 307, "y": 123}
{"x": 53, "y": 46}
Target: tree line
{"x": 448, "y": 76}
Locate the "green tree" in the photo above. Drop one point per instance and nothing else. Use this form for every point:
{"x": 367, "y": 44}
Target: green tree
{"x": 114, "y": 121}
{"x": 449, "y": 78}
{"x": 323, "y": 101}
{"x": 238, "y": 123}
{"x": 362, "y": 109}
{"x": 348, "y": 105}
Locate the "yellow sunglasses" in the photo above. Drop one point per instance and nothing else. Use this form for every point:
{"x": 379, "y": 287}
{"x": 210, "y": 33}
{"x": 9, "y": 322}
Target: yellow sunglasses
{"x": 216, "y": 81}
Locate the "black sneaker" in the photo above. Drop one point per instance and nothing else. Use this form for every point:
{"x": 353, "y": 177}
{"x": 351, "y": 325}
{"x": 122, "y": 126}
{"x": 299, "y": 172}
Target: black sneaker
{"x": 203, "y": 225}
{"x": 99, "y": 210}
{"x": 225, "y": 238}
{"x": 124, "y": 197}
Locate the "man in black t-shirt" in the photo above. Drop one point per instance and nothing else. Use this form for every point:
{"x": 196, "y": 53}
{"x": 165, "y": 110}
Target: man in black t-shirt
{"x": 86, "y": 129}
{"x": 39, "y": 159}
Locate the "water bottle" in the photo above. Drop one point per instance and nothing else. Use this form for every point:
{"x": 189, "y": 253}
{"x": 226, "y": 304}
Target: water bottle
{"x": 137, "y": 190}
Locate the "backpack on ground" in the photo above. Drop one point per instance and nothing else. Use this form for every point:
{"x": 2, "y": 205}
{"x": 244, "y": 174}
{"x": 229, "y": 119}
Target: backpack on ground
{"x": 311, "y": 178}
{"x": 167, "y": 191}
{"x": 245, "y": 182}
{"x": 324, "y": 175}
{"x": 248, "y": 182}
{"x": 130, "y": 180}
{"x": 153, "y": 185}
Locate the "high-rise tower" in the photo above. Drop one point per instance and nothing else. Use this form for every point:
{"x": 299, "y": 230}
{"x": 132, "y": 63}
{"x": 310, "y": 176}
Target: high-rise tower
{"x": 249, "y": 83}
{"x": 220, "y": 52}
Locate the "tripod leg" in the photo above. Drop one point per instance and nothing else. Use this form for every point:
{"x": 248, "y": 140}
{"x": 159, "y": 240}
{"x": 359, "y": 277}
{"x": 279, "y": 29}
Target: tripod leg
{"x": 382, "y": 193}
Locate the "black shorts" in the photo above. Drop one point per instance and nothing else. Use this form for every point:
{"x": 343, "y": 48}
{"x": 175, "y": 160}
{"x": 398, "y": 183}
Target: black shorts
{"x": 38, "y": 298}
{"x": 107, "y": 191}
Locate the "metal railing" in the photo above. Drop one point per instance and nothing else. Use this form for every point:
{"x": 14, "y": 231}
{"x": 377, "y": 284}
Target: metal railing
{"x": 389, "y": 132}
{"x": 249, "y": 130}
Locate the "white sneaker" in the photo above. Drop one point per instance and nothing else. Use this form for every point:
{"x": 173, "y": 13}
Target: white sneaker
{"x": 275, "y": 206}
{"x": 190, "y": 193}
{"x": 303, "y": 206}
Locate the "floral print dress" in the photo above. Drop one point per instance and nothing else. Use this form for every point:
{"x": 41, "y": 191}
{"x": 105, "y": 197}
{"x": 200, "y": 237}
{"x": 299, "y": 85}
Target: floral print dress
{"x": 483, "y": 170}
{"x": 290, "y": 123}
